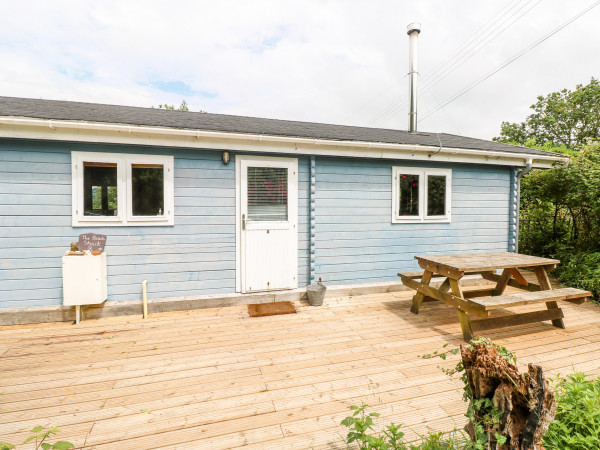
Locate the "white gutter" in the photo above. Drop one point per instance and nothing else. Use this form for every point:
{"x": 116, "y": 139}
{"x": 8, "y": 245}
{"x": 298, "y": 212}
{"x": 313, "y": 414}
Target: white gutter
{"x": 17, "y": 127}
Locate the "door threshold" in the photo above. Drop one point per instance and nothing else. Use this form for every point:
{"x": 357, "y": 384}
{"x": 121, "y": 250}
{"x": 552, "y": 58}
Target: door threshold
{"x": 267, "y": 291}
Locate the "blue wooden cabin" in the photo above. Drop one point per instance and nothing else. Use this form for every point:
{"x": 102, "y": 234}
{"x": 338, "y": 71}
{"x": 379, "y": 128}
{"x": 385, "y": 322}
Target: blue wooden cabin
{"x": 201, "y": 203}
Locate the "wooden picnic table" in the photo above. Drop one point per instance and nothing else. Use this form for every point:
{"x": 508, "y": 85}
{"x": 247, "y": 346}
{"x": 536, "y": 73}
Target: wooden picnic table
{"x": 480, "y": 302}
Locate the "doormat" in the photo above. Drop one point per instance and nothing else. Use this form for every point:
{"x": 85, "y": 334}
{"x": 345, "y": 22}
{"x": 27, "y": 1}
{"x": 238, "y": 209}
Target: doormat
{"x": 271, "y": 309}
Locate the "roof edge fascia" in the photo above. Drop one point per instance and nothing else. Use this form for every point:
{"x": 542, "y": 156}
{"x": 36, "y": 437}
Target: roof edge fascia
{"x": 65, "y": 130}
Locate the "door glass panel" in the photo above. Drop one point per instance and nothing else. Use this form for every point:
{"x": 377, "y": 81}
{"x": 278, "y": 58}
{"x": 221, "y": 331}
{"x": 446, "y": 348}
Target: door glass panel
{"x": 436, "y": 195}
{"x": 268, "y": 193}
{"x": 100, "y": 189}
{"x": 409, "y": 195}
{"x": 147, "y": 189}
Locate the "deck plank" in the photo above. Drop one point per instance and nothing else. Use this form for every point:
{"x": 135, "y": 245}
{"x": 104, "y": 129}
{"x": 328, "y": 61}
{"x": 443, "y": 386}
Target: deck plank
{"x": 217, "y": 378}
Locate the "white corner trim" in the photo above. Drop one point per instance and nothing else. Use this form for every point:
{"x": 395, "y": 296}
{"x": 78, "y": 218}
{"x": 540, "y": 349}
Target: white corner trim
{"x": 238, "y": 224}
{"x": 64, "y": 130}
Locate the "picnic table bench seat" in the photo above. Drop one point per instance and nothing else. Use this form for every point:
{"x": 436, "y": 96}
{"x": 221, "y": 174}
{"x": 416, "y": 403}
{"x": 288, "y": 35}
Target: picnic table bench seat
{"x": 492, "y": 302}
{"x": 419, "y": 273}
{"x": 550, "y": 297}
{"x": 412, "y": 275}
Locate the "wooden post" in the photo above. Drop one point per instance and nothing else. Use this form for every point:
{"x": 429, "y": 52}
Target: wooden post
{"x": 463, "y": 316}
{"x": 544, "y": 282}
{"x": 418, "y": 297}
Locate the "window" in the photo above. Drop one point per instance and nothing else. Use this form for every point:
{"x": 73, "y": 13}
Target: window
{"x": 421, "y": 195}
{"x": 267, "y": 193}
{"x": 115, "y": 189}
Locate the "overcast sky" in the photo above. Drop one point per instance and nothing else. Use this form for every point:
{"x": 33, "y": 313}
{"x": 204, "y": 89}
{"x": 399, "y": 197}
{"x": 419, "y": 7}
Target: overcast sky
{"x": 338, "y": 61}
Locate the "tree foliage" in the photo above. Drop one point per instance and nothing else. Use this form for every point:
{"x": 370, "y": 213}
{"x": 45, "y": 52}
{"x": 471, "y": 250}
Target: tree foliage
{"x": 182, "y": 107}
{"x": 560, "y": 217}
{"x": 560, "y": 207}
{"x": 567, "y": 118}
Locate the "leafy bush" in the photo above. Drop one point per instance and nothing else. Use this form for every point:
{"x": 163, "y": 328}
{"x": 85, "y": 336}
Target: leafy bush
{"x": 560, "y": 208}
{"x": 577, "y": 422}
{"x": 360, "y": 425}
{"x": 560, "y": 218}
{"x": 581, "y": 270}
{"x": 40, "y": 434}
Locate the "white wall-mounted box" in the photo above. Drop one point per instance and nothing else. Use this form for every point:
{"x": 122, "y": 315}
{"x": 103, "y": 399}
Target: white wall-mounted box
{"x": 84, "y": 279}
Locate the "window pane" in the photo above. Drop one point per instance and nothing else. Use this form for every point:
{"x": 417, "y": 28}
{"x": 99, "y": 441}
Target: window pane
{"x": 409, "y": 195}
{"x": 267, "y": 193}
{"x": 96, "y": 197}
{"x": 100, "y": 189}
{"x": 436, "y": 195}
{"x": 147, "y": 189}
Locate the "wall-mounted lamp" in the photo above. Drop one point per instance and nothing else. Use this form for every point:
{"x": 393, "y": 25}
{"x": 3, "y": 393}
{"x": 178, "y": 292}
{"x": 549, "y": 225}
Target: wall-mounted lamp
{"x": 225, "y": 157}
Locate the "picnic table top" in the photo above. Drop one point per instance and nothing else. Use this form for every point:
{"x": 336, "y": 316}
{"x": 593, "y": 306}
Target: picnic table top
{"x": 467, "y": 262}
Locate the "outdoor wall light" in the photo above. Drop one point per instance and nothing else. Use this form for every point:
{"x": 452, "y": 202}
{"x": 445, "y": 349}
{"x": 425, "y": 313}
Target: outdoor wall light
{"x": 225, "y": 157}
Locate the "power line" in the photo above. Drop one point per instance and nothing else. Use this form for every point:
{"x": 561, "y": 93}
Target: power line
{"x": 500, "y": 13}
{"x": 477, "y": 48}
{"x": 493, "y": 27}
{"x": 512, "y": 59}
{"x": 443, "y": 71}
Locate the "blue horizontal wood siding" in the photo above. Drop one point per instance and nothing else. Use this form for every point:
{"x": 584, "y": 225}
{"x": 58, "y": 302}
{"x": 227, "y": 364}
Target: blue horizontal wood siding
{"x": 356, "y": 240}
{"x": 194, "y": 257}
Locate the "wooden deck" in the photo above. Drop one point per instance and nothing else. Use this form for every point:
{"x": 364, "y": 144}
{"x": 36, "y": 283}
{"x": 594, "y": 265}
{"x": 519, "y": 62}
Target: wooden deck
{"x": 220, "y": 379}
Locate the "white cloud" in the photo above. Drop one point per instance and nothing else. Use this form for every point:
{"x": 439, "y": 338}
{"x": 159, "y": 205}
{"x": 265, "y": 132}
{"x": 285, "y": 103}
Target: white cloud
{"x": 327, "y": 61}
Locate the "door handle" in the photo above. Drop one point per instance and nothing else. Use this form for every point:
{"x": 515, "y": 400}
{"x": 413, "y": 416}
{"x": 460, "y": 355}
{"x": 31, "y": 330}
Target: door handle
{"x": 243, "y": 221}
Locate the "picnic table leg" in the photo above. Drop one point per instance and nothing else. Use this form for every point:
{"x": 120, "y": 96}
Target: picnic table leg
{"x": 463, "y": 317}
{"x": 544, "y": 282}
{"x": 518, "y": 277}
{"x": 502, "y": 282}
{"x": 445, "y": 285}
{"x": 417, "y": 299}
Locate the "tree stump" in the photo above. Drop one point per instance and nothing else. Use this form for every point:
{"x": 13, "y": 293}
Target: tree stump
{"x": 527, "y": 405}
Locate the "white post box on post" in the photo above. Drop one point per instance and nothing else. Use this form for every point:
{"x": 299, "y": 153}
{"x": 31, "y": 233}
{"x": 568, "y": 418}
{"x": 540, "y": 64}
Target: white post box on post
{"x": 84, "y": 274}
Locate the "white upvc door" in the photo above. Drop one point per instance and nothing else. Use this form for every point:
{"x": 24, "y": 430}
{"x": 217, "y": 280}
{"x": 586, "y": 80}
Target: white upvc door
{"x": 267, "y": 194}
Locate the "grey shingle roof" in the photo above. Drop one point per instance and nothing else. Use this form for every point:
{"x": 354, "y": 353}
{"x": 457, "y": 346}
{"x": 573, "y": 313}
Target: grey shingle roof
{"x": 129, "y": 115}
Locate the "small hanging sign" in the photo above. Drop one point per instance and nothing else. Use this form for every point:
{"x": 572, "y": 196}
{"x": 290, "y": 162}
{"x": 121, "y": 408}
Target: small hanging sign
{"x": 92, "y": 242}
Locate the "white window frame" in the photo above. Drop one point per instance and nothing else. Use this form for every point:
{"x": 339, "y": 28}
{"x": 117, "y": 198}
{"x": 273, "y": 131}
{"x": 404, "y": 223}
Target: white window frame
{"x": 125, "y": 215}
{"x": 423, "y": 173}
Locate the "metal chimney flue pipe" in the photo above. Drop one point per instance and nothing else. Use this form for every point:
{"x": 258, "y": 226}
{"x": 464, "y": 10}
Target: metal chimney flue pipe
{"x": 413, "y": 31}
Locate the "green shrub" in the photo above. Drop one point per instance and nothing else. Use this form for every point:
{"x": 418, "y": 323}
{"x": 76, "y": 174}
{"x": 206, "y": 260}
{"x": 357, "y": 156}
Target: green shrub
{"x": 577, "y": 422}
{"x": 581, "y": 270}
{"x": 40, "y": 434}
{"x": 560, "y": 217}
{"x": 361, "y": 434}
